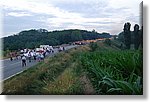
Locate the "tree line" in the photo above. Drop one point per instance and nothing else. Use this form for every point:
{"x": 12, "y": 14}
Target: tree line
{"x": 33, "y": 38}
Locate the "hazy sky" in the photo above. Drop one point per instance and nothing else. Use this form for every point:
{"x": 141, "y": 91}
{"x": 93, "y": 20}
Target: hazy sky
{"x": 101, "y": 15}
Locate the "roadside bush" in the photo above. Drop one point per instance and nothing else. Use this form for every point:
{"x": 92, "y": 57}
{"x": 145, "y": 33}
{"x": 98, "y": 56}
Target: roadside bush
{"x": 93, "y": 46}
{"x": 108, "y": 42}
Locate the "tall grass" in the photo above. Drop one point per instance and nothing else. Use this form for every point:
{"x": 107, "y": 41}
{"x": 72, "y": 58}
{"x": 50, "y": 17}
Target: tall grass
{"x": 114, "y": 72}
{"x": 66, "y": 83}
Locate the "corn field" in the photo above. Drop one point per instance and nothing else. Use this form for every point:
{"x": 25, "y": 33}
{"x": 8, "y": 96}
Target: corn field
{"x": 114, "y": 72}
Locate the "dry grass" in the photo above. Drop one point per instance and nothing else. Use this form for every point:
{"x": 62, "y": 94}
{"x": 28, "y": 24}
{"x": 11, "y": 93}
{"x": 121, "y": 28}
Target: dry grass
{"x": 87, "y": 85}
{"x": 62, "y": 83}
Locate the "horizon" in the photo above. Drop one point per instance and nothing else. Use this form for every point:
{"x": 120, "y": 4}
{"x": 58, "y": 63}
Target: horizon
{"x": 103, "y": 16}
{"x": 52, "y": 31}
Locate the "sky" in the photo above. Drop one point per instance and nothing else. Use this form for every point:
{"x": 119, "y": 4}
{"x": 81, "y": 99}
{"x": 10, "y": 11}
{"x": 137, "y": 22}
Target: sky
{"x": 101, "y": 15}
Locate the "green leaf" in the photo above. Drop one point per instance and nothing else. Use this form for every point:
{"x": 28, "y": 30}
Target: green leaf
{"x": 114, "y": 89}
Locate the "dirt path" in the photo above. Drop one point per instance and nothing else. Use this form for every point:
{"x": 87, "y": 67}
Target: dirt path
{"x": 87, "y": 86}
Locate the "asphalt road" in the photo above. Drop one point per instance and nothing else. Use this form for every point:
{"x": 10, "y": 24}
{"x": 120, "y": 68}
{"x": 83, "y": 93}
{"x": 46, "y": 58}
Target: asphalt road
{"x": 11, "y": 68}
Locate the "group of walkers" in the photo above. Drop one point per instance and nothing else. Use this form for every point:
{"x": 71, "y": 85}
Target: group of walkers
{"x": 37, "y": 54}
{"x": 32, "y": 56}
{"x": 28, "y": 54}
{"x": 13, "y": 55}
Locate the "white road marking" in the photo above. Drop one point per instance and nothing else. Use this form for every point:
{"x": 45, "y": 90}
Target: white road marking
{"x": 12, "y": 76}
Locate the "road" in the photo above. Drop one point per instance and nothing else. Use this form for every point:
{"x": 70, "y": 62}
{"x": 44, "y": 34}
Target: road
{"x": 11, "y": 68}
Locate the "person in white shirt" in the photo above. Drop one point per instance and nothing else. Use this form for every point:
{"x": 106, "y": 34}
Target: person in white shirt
{"x": 42, "y": 57}
{"x": 23, "y": 61}
{"x": 34, "y": 55}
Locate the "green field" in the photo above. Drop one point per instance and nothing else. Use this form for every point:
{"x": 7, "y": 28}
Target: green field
{"x": 90, "y": 69}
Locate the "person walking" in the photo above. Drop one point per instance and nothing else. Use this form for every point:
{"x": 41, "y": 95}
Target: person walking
{"x": 63, "y": 48}
{"x": 23, "y": 61}
{"x": 11, "y": 56}
{"x": 34, "y": 55}
{"x": 44, "y": 54}
{"x": 29, "y": 56}
{"x": 38, "y": 57}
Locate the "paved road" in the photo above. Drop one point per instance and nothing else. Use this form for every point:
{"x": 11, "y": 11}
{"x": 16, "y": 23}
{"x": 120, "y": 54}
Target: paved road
{"x": 11, "y": 68}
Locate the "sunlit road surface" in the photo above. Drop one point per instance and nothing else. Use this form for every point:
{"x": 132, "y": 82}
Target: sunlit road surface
{"x": 11, "y": 68}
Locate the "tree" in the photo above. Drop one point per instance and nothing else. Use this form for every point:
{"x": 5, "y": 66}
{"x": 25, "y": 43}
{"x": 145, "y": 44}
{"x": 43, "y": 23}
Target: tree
{"x": 33, "y": 38}
{"x": 76, "y": 36}
{"x": 94, "y": 31}
{"x": 108, "y": 42}
{"x": 121, "y": 37}
{"x": 141, "y": 36}
{"x": 127, "y": 35}
{"x": 136, "y": 33}
{"x": 93, "y": 46}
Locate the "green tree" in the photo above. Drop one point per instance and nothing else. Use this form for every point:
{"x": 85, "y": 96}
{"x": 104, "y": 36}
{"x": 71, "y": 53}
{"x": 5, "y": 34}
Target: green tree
{"x": 108, "y": 42}
{"x": 33, "y": 38}
{"x": 127, "y": 35}
{"x": 136, "y": 33}
{"x": 141, "y": 36}
{"x": 76, "y": 36}
{"x": 121, "y": 37}
{"x": 93, "y": 46}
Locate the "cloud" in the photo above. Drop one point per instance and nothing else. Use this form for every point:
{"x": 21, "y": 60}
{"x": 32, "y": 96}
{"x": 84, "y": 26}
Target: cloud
{"x": 76, "y": 27}
{"x": 102, "y": 15}
{"x": 37, "y": 7}
{"x": 16, "y": 24}
{"x": 16, "y": 14}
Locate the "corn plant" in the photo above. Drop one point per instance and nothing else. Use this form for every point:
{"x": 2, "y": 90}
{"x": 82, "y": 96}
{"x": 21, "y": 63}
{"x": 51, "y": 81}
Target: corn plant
{"x": 114, "y": 72}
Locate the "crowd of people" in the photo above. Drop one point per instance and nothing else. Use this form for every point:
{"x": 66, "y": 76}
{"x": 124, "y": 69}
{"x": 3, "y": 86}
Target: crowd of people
{"x": 31, "y": 55}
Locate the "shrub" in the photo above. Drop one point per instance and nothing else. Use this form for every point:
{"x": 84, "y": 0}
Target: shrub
{"x": 93, "y": 46}
{"x": 108, "y": 42}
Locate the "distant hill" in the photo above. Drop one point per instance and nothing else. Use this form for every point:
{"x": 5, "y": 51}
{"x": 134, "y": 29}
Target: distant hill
{"x": 33, "y": 38}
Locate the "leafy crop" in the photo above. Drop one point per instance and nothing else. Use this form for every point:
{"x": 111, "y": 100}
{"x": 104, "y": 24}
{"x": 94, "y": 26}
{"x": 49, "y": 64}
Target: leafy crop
{"x": 114, "y": 72}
